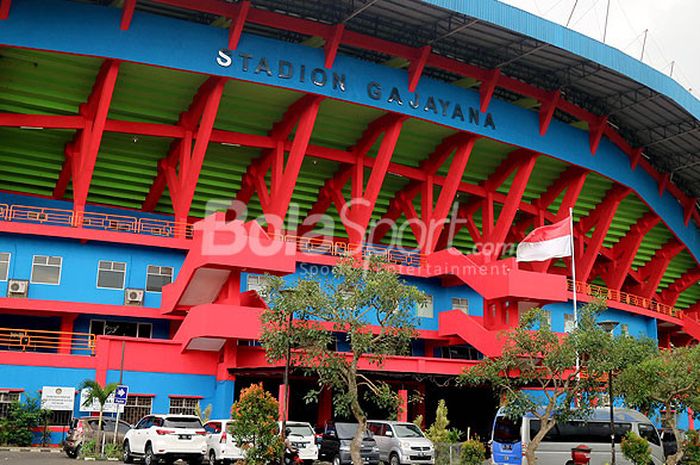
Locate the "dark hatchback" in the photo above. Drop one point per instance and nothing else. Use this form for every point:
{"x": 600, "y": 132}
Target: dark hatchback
{"x": 335, "y": 445}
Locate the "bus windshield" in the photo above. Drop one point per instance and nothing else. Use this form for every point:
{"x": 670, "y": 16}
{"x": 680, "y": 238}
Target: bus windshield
{"x": 506, "y": 430}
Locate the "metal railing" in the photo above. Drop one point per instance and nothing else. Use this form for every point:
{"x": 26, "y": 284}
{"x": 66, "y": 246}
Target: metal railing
{"x": 39, "y": 340}
{"x": 594, "y": 290}
{"x": 94, "y": 220}
{"x": 315, "y": 245}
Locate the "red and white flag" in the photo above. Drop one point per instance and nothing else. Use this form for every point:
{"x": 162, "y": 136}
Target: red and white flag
{"x": 551, "y": 241}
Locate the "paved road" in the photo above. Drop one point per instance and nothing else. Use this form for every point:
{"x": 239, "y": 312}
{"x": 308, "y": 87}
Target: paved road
{"x": 36, "y": 458}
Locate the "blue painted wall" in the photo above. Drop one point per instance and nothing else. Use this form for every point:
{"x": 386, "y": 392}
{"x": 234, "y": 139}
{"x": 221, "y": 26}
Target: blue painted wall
{"x": 637, "y": 325}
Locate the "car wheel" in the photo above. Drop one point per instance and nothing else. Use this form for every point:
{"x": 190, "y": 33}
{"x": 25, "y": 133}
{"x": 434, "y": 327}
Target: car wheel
{"x": 126, "y": 455}
{"x": 149, "y": 458}
{"x": 212, "y": 458}
{"x": 336, "y": 460}
{"x": 72, "y": 453}
{"x": 394, "y": 460}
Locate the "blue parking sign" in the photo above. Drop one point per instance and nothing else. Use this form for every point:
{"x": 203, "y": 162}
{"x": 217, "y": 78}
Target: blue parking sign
{"x": 121, "y": 394}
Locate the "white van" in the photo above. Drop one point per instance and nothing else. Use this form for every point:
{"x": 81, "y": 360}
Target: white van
{"x": 510, "y": 437}
{"x": 302, "y": 436}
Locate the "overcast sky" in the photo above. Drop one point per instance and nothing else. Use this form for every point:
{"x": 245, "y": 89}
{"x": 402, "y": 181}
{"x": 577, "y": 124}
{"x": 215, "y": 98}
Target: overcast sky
{"x": 674, "y": 29}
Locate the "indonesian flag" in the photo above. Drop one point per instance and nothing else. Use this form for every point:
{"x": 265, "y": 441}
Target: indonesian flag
{"x": 551, "y": 241}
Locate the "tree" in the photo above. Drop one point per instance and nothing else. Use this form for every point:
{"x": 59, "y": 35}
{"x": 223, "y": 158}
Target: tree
{"x": 255, "y": 418}
{"x": 369, "y": 303}
{"x": 203, "y": 414}
{"x": 535, "y": 356}
{"x": 439, "y": 432}
{"x": 636, "y": 449}
{"x": 98, "y": 393}
{"x": 666, "y": 383}
{"x": 15, "y": 426}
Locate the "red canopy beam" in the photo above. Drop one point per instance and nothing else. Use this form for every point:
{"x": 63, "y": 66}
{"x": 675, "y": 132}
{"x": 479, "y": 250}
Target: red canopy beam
{"x": 81, "y": 152}
{"x": 127, "y": 14}
{"x": 650, "y": 275}
{"x": 669, "y": 296}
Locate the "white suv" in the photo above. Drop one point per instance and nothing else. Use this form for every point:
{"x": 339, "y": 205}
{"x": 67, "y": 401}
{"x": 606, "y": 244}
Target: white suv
{"x": 302, "y": 436}
{"x": 167, "y": 438}
{"x": 221, "y": 446}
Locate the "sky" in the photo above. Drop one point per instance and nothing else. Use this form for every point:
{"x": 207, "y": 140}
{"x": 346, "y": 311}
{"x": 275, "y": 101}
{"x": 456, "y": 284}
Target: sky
{"x": 674, "y": 30}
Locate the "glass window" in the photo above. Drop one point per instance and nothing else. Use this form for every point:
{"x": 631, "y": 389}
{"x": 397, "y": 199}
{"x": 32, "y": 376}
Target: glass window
{"x": 254, "y": 282}
{"x": 569, "y": 322}
{"x": 60, "y": 417}
{"x": 183, "y": 405}
{"x": 46, "y": 269}
{"x": 4, "y": 265}
{"x": 425, "y": 310}
{"x": 547, "y": 319}
{"x": 179, "y": 422}
{"x": 407, "y": 431}
{"x": 121, "y": 328}
{"x": 157, "y": 277}
{"x": 624, "y": 329}
{"x": 581, "y": 431}
{"x": 111, "y": 275}
{"x": 137, "y": 407}
{"x": 7, "y": 398}
{"x": 648, "y": 432}
{"x": 461, "y": 303}
{"x": 506, "y": 430}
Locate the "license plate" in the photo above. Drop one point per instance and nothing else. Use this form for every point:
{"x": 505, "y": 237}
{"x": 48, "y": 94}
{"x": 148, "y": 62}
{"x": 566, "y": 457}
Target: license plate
{"x": 185, "y": 436}
{"x": 366, "y": 459}
{"x": 507, "y": 447}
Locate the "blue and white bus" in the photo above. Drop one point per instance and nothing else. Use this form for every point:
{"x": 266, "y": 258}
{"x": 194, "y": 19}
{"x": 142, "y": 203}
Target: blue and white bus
{"x": 510, "y": 437}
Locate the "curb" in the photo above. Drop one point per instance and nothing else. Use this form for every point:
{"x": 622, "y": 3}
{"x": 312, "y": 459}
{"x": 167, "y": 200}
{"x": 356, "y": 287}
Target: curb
{"x": 49, "y": 450}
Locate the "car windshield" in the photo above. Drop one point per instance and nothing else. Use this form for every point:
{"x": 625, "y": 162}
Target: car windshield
{"x": 182, "y": 422}
{"x": 347, "y": 430}
{"x": 300, "y": 430}
{"x": 408, "y": 431}
{"x": 506, "y": 430}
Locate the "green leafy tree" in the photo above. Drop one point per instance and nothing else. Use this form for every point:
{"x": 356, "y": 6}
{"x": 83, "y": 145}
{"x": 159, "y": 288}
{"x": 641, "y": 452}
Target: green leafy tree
{"x": 370, "y": 304}
{"x": 667, "y": 382}
{"x": 15, "y": 427}
{"x": 691, "y": 455}
{"x": 472, "y": 452}
{"x": 535, "y": 356}
{"x": 636, "y": 449}
{"x": 100, "y": 394}
{"x": 439, "y": 432}
{"x": 203, "y": 414}
{"x": 255, "y": 419}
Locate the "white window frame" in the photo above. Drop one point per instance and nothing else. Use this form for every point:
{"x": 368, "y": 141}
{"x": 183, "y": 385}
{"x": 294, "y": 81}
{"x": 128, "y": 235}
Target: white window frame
{"x": 572, "y": 323}
{"x": 257, "y": 286}
{"x": 97, "y": 278}
{"x": 184, "y": 399}
{"x": 422, "y": 310}
{"x": 9, "y": 260}
{"x": 138, "y": 326}
{"x": 463, "y": 308}
{"x": 60, "y": 269}
{"x": 137, "y": 398}
{"x": 160, "y": 269}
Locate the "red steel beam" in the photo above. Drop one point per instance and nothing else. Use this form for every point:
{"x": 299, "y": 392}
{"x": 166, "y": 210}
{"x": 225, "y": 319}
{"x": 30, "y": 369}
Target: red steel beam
{"x": 488, "y": 86}
{"x": 127, "y": 14}
{"x": 546, "y": 112}
{"x": 596, "y": 128}
{"x": 187, "y": 126}
{"x": 332, "y": 43}
{"x": 615, "y": 271}
{"x": 415, "y": 69}
{"x": 669, "y": 296}
{"x": 81, "y": 152}
{"x": 236, "y": 28}
{"x": 650, "y": 275}
{"x": 599, "y": 218}
{"x": 5, "y": 8}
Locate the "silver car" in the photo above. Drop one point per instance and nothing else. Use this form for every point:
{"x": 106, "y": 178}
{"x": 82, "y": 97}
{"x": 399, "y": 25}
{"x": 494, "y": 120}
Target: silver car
{"x": 401, "y": 443}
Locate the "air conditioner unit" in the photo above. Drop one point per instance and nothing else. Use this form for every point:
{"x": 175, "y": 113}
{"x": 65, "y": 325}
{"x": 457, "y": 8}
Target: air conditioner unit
{"x": 17, "y": 288}
{"x": 133, "y": 297}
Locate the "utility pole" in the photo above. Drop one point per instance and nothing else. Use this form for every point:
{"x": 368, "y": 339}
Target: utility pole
{"x": 571, "y": 15}
{"x": 671, "y": 72}
{"x": 605, "y": 27}
{"x": 644, "y": 44}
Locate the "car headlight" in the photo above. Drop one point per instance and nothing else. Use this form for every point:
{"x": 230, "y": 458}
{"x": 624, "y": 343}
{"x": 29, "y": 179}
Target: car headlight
{"x": 345, "y": 448}
{"x": 405, "y": 445}
{"x": 375, "y": 449}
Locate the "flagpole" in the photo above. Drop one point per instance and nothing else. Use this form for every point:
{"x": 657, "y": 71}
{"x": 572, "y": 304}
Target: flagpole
{"x": 573, "y": 278}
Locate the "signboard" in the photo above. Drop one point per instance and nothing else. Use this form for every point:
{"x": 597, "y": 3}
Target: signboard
{"x": 121, "y": 394}
{"x": 57, "y": 398}
{"x": 110, "y": 405}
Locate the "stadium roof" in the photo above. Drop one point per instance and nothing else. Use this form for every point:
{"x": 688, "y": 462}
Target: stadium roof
{"x": 647, "y": 108}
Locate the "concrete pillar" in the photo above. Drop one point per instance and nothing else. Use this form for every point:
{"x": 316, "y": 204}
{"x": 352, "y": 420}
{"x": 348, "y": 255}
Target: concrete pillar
{"x": 66, "y": 340}
{"x": 281, "y": 398}
{"x": 403, "y": 405}
{"x": 325, "y": 407}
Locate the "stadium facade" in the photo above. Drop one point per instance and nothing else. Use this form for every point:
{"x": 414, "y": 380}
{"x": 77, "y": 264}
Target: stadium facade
{"x": 158, "y": 156}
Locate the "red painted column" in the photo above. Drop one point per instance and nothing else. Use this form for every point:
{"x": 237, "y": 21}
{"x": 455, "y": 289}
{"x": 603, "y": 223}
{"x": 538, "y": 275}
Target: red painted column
{"x": 403, "y": 405}
{"x": 66, "y": 340}
{"x": 325, "y": 407}
{"x": 691, "y": 419}
{"x": 282, "y": 399}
